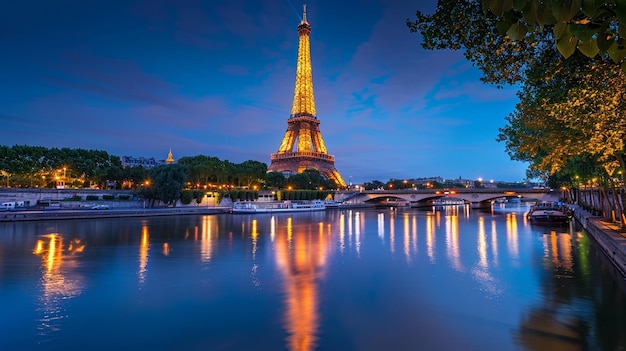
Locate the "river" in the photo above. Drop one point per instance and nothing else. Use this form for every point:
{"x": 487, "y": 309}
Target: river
{"x": 351, "y": 279}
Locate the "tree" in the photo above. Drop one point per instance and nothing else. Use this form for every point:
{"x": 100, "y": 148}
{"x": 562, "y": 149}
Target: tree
{"x": 251, "y": 172}
{"x": 570, "y": 109}
{"x": 595, "y": 27}
{"x": 168, "y": 181}
{"x": 374, "y": 184}
{"x": 275, "y": 180}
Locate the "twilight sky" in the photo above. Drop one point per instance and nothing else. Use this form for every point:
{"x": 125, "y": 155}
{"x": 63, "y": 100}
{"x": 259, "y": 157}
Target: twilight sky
{"x": 138, "y": 77}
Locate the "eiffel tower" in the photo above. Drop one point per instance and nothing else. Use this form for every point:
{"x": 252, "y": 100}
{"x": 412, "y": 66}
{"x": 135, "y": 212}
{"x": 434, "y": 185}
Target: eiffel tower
{"x": 303, "y": 130}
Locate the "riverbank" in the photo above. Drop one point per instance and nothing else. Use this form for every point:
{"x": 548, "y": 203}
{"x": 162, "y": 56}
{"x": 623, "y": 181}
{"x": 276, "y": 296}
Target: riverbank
{"x": 610, "y": 237}
{"x": 60, "y": 214}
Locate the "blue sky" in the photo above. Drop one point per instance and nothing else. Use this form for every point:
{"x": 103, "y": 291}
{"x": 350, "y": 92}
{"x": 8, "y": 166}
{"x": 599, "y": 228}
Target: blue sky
{"x": 217, "y": 78}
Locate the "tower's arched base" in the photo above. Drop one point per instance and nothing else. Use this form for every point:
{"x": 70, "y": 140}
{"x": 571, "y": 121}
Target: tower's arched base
{"x": 298, "y": 164}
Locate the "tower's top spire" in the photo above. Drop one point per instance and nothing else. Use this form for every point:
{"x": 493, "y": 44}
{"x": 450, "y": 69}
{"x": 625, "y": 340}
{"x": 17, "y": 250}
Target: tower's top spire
{"x": 303, "y": 100}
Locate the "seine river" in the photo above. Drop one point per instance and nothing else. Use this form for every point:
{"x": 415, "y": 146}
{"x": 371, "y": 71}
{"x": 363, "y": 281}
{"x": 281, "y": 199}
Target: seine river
{"x": 358, "y": 279}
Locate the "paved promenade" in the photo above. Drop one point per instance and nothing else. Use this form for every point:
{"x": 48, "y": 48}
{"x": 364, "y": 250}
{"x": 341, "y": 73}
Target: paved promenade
{"x": 610, "y": 236}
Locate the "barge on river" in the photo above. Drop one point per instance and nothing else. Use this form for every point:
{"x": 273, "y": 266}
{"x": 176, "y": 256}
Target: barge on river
{"x": 549, "y": 213}
{"x": 278, "y": 206}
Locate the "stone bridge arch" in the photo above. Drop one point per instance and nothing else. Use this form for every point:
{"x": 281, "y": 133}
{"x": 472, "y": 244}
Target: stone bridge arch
{"x": 477, "y": 198}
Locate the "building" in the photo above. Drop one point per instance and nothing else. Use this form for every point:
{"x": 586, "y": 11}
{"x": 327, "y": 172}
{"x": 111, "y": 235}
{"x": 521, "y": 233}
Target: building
{"x": 130, "y": 161}
{"x": 302, "y": 146}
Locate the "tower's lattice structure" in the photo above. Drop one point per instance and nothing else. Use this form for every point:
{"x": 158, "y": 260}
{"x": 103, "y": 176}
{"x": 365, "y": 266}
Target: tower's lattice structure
{"x": 303, "y": 132}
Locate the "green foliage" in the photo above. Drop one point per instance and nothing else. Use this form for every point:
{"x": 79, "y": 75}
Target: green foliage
{"x": 568, "y": 108}
{"x": 168, "y": 181}
{"x": 593, "y": 26}
{"x": 124, "y": 197}
{"x": 37, "y": 165}
{"x": 186, "y": 196}
{"x": 108, "y": 197}
{"x": 275, "y": 180}
{"x": 310, "y": 179}
{"x": 91, "y": 197}
{"x": 204, "y": 170}
{"x": 374, "y": 184}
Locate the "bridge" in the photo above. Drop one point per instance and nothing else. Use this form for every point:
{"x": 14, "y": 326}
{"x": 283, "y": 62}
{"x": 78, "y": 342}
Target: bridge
{"x": 477, "y": 198}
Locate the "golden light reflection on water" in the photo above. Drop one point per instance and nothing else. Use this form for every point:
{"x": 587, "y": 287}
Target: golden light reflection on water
{"x": 452, "y": 242}
{"x": 494, "y": 241}
{"x": 558, "y": 248}
{"x": 482, "y": 244}
{"x": 255, "y": 236}
{"x": 342, "y": 232}
{"x": 406, "y": 238}
{"x": 481, "y": 272}
{"x": 357, "y": 232}
{"x": 59, "y": 281}
{"x": 511, "y": 235}
{"x": 302, "y": 258}
{"x": 144, "y": 247}
{"x": 430, "y": 237}
{"x": 206, "y": 239}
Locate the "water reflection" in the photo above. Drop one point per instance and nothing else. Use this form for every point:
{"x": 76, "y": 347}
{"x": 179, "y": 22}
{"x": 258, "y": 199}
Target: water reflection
{"x": 511, "y": 235}
{"x": 521, "y": 287}
{"x": 430, "y": 237}
{"x": 59, "y": 282}
{"x": 301, "y": 255}
{"x": 144, "y": 247}
{"x": 555, "y": 323}
{"x": 206, "y": 239}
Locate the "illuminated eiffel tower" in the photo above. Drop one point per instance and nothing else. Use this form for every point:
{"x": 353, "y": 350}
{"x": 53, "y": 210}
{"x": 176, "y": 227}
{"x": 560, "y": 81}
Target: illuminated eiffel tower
{"x": 303, "y": 130}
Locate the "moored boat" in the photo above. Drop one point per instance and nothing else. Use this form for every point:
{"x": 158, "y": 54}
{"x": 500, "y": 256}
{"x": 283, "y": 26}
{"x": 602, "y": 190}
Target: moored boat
{"x": 549, "y": 213}
{"x": 278, "y": 206}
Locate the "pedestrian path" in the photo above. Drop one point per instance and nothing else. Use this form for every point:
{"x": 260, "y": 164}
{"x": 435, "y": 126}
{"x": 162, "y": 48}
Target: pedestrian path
{"x": 610, "y": 236}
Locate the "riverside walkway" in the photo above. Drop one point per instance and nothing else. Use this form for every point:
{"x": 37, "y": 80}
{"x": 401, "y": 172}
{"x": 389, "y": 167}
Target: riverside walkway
{"x": 610, "y": 236}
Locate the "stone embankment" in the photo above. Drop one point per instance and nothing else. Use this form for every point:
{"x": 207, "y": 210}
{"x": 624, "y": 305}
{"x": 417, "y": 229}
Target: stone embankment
{"x": 54, "y": 214}
{"x": 610, "y": 237}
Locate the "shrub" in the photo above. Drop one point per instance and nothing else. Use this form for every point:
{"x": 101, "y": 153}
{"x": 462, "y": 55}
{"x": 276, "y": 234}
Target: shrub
{"x": 124, "y": 197}
{"x": 91, "y": 197}
{"x": 108, "y": 197}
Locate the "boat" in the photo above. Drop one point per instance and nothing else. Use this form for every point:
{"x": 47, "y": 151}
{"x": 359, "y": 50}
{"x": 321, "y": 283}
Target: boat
{"x": 277, "y": 206}
{"x": 549, "y": 212}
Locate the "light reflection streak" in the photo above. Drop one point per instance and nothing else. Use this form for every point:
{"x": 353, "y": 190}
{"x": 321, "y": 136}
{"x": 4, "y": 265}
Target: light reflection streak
{"x": 342, "y": 231}
{"x": 144, "y": 247}
{"x": 381, "y": 226}
{"x": 414, "y": 234}
{"x": 452, "y": 242}
{"x": 482, "y": 244}
{"x": 511, "y": 235}
{"x": 357, "y": 232}
{"x": 255, "y": 235}
{"x": 558, "y": 247}
{"x": 58, "y": 281}
{"x": 494, "y": 242}
{"x": 392, "y": 232}
{"x": 406, "y": 237}
{"x": 206, "y": 239}
{"x": 302, "y": 258}
{"x": 430, "y": 238}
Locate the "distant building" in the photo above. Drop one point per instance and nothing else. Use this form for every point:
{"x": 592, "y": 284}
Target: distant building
{"x": 169, "y": 160}
{"x": 130, "y": 161}
{"x": 145, "y": 162}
